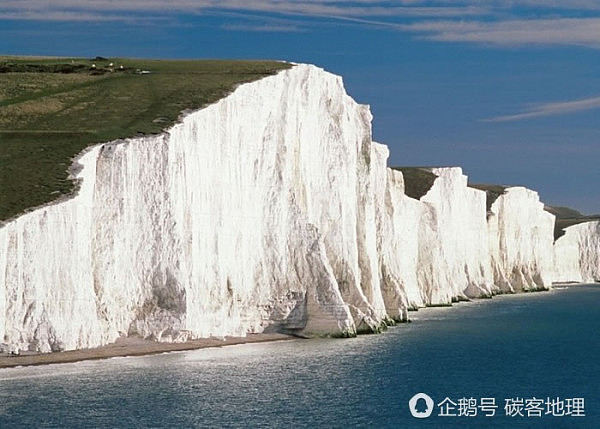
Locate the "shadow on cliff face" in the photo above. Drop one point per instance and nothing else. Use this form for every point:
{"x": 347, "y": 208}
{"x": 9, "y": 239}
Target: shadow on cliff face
{"x": 290, "y": 321}
{"x": 162, "y": 316}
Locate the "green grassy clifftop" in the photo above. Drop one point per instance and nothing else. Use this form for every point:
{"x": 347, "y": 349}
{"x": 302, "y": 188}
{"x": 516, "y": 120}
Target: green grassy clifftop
{"x": 52, "y": 108}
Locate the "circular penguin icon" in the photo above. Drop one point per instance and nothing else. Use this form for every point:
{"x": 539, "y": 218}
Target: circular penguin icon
{"x": 421, "y": 405}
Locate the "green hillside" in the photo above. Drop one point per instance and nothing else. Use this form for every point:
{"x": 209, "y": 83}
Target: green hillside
{"x": 417, "y": 180}
{"x": 566, "y": 217}
{"x": 52, "y": 108}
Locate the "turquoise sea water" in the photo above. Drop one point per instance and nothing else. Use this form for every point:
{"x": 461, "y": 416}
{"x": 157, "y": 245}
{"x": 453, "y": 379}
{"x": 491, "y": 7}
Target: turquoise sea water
{"x": 522, "y": 347}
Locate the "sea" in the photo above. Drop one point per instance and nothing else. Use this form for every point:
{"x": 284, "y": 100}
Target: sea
{"x": 514, "y": 361}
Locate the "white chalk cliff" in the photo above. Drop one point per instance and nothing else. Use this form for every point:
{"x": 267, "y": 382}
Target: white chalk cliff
{"x": 577, "y": 254}
{"x": 271, "y": 209}
{"x": 521, "y": 241}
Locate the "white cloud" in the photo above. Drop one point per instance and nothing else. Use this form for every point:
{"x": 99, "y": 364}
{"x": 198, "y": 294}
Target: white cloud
{"x": 266, "y": 28}
{"x": 551, "y": 109}
{"x": 548, "y": 4}
{"x": 559, "y": 31}
{"x": 79, "y": 16}
{"x": 21, "y": 9}
{"x": 514, "y": 4}
{"x": 493, "y": 22}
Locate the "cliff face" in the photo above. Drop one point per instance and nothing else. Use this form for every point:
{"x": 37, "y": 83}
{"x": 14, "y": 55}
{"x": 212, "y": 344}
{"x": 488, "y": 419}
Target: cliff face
{"x": 577, "y": 254}
{"x": 454, "y": 260}
{"x": 444, "y": 247}
{"x": 253, "y": 213}
{"x": 47, "y": 296}
{"x": 398, "y": 247}
{"x": 269, "y": 210}
{"x": 521, "y": 241}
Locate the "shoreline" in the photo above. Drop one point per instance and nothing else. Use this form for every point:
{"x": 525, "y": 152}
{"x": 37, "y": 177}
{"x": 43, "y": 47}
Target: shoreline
{"x": 135, "y": 346}
{"x": 125, "y": 347}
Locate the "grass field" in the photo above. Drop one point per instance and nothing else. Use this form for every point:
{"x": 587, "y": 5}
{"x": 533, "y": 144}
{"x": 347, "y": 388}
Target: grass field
{"x": 52, "y": 108}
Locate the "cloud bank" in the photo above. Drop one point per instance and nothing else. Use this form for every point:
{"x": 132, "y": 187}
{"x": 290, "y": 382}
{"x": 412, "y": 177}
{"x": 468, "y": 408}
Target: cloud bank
{"x": 551, "y": 109}
{"x": 556, "y": 31}
{"x": 490, "y": 22}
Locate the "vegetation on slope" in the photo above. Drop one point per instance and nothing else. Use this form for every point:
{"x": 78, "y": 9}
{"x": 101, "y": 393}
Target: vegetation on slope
{"x": 417, "y": 180}
{"x": 566, "y": 217}
{"x": 492, "y": 192}
{"x": 52, "y": 108}
{"x": 564, "y": 212}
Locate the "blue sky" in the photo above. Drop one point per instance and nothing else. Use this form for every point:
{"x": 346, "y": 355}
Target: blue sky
{"x": 509, "y": 90}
